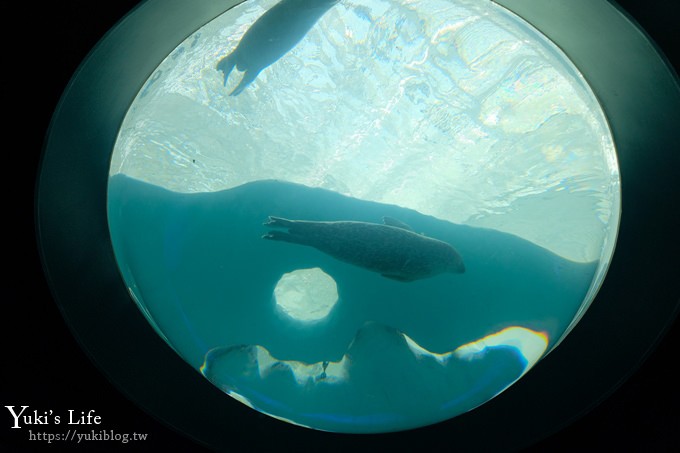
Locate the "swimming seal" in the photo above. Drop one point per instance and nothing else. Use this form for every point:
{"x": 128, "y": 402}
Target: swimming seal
{"x": 272, "y": 35}
{"x": 391, "y": 249}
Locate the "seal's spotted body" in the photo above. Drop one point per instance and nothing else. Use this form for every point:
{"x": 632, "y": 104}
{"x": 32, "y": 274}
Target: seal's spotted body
{"x": 395, "y": 252}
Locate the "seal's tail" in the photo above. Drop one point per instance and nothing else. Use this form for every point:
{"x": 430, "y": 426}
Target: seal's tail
{"x": 225, "y": 65}
{"x": 278, "y": 222}
{"x": 247, "y": 79}
{"x": 281, "y": 235}
{"x": 285, "y": 237}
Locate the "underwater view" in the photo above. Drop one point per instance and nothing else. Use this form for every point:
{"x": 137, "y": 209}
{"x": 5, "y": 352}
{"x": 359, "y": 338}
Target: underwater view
{"x": 364, "y": 216}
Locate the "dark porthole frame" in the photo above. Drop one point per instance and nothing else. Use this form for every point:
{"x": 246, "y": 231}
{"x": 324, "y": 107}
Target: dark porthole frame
{"x": 635, "y": 305}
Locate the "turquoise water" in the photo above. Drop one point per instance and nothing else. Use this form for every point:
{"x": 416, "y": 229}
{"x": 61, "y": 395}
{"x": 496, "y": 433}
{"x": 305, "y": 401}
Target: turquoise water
{"x": 204, "y": 275}
{"x": 455, "y": 118}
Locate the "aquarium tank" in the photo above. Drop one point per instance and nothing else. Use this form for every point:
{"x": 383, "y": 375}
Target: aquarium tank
{"x": 364, "y": 215}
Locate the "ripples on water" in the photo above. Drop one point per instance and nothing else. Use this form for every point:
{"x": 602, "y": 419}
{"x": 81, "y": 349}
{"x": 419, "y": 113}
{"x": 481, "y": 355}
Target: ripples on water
{"x": 377, "y": 95}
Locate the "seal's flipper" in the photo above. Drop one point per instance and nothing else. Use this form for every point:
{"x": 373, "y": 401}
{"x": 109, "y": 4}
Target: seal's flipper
{"x": 247, "y": 79}
{"x": 226, "y": 65}
{"x": 285, "y": 237}
{"x": 391, "y": 221}
{"x": 278, "y": 222}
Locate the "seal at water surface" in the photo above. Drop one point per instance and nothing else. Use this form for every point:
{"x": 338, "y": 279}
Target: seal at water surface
{"x": 272, "y": 35}
{"x": 392, "y": 249}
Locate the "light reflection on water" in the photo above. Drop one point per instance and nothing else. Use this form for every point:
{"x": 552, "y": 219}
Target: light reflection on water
{"x": 377, "y": 95}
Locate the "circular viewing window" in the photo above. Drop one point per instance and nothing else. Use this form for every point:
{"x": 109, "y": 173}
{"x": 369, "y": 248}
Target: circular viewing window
{"x": 432, "y": 183}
